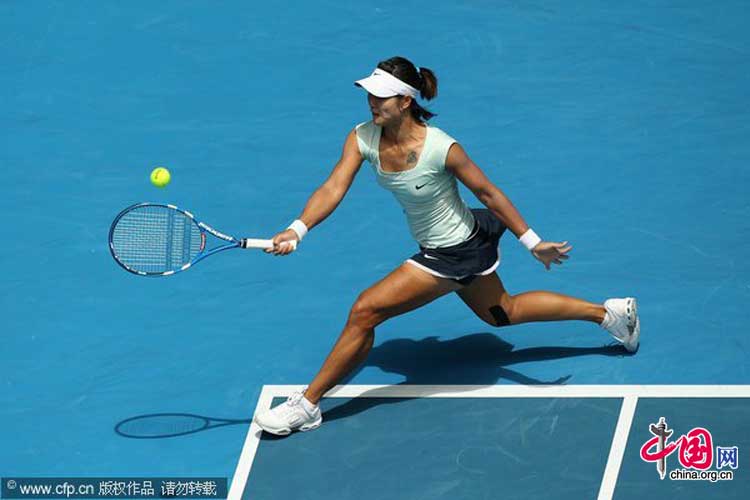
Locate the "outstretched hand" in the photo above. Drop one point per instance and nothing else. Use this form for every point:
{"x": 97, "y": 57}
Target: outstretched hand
{"x": 282, "y": 243}
{"x": 548, "y": 252}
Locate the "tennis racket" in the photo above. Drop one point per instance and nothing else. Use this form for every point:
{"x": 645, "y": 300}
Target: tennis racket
{"x": 155, "y": 239}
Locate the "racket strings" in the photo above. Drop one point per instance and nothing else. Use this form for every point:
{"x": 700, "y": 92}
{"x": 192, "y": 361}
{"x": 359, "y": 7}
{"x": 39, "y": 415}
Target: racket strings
{"x": 156, "y": 239}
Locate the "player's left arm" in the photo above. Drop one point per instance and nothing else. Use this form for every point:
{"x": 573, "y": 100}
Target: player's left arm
{"x": 459, "y": 163}
{"x": 466, "y": 171}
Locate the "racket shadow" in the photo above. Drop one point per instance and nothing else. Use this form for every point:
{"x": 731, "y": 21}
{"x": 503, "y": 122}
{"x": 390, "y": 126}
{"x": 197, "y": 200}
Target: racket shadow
{"x": 167, "y": 425}
{"x": 479, "y": 359}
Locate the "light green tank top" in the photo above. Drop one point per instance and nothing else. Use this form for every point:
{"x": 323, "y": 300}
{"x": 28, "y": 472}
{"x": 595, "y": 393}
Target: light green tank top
{"x": 436, "y": 214}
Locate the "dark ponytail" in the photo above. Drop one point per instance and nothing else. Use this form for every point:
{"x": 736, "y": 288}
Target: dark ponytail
{"x": 423, "y": 80}
{"x": 429, "y": 84}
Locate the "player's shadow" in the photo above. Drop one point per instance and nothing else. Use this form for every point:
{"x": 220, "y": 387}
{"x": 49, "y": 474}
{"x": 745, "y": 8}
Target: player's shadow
{"x": 479, "y": 359}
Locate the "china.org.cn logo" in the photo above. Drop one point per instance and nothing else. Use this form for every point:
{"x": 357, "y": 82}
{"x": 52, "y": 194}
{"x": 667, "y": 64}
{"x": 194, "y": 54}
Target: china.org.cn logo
{"x": 695, "y": 453}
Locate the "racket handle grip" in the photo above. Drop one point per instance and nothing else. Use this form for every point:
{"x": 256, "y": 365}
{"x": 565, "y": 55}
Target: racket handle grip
{"x": 256, "y": 243}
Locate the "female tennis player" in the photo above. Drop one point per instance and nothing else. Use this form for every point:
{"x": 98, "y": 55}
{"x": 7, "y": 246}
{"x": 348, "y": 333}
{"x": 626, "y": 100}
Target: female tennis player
{"x": 458, "y": 253}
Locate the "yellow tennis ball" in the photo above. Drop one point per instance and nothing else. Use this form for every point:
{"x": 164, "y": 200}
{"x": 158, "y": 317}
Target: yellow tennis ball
{"x": 160, "y": 177}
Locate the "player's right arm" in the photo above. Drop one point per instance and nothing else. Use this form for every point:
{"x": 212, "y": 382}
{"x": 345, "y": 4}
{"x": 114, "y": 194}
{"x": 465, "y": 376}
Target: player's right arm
{"x": 327, "y": 197}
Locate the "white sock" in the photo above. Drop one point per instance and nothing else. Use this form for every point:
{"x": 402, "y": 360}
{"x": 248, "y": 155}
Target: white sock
{"x": 607, "y": 320}
{"x": 308, "y": 406}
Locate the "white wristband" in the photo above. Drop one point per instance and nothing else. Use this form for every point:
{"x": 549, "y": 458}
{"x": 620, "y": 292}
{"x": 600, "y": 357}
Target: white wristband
{"x": 298, "y": 227}
{"x": 529, "y": 239}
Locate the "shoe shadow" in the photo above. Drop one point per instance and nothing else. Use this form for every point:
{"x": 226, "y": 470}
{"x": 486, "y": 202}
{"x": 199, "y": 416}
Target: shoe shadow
{"x": 479, "y": 359}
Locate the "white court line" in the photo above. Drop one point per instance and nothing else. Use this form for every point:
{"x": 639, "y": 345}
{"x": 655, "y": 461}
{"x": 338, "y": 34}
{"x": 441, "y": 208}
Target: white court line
{"x": 627, "y": 392}
{"x": 617, "y": 451}
{"x": 524, "y": 391}
{"x": 242, "y": 472}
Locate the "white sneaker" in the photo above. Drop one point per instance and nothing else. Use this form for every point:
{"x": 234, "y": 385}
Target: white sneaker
{"x": 296, "y": 413}
{"x": 622, "y": 322}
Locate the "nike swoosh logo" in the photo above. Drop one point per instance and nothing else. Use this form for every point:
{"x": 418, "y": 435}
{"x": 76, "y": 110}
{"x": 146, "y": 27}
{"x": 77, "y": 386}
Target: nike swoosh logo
{"x": 420, "y": 187}
{"x": 430, "y": 257}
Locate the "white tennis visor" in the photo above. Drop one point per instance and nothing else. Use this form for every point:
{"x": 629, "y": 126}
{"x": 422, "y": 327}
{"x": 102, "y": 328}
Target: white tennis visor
{"x": 383, "y": 84}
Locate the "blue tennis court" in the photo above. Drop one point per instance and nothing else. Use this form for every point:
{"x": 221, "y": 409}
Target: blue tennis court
{"x": 621, "y": 128}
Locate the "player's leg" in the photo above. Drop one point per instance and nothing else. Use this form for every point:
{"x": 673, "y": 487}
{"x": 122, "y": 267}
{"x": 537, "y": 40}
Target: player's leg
{"x": 404, "y": 289}
{"x": 487, "y": 297}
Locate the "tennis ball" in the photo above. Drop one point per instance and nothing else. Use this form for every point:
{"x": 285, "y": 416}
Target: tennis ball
{"x": 160, "y": 177}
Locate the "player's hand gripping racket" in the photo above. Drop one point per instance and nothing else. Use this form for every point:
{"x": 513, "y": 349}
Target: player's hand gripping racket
{"x": 155, "y": 239}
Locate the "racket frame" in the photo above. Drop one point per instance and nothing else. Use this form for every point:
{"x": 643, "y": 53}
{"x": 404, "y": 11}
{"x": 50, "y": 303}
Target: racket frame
{"x": 204, "y": 228}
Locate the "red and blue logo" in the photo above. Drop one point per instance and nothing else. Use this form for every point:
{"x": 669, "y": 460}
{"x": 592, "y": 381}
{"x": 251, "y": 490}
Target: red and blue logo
{"x": 695, "y": 452}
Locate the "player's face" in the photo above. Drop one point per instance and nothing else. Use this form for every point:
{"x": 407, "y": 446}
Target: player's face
{"x": 385, "y": 110}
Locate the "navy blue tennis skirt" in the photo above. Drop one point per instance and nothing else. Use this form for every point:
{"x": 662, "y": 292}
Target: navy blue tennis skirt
{"x": 477, "y": 256}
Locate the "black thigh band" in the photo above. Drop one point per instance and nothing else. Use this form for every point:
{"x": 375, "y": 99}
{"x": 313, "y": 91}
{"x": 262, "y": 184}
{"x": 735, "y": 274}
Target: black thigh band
{"x": 500, "y": 317}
